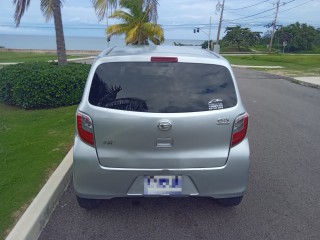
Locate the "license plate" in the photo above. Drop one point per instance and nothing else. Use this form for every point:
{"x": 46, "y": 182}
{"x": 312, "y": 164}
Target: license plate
{"x": 162, "y": 185}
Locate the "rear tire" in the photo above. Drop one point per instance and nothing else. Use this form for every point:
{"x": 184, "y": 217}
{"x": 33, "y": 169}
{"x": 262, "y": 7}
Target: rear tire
{"x": 230, "y": 202}
{"x": 88, "y": 203}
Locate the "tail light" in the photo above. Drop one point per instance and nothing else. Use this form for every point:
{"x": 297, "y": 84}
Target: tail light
{"x": 85, "y": 128}
{"x": 240, "y": 129}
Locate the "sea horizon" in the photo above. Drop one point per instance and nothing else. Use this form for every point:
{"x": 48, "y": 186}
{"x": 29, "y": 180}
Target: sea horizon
{"x": 48, "y": 42}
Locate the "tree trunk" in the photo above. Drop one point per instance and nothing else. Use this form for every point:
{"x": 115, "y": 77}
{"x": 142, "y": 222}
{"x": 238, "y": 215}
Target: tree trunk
{"x": 61, "y": 49}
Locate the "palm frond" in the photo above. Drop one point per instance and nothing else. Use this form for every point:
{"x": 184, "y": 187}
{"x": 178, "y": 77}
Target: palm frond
{"x": 104, "y": 7}
{"x": 132, "y": 36}
{"x": 117, "y": 29}
{"x": 119, "y": 14}
{"x": 153, "y": 6}
{"x": 47, "y": 7}
{"x": 153, "y": 30}
{"x": 155, "y": 40}
{"x": 20, "y": 7}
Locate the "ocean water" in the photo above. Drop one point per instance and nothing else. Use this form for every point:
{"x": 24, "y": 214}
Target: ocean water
{"x": 72, "y": 43}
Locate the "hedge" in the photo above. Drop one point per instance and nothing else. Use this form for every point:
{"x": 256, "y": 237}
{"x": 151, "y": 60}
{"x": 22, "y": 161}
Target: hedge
{"x": 42, "y": 85}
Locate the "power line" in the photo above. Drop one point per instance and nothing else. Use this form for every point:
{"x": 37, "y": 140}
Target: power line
{"x": 167, "y": 27}
{"x": 253, "y": 14}
{"x": 52, "y": 27}
{"x": 101, "y": 26}
{"x": 234, "y": 9}
{"x": 258, "y": 13}
{"x": 296, "y": 6}
{"x": 250, "y": 20}
{"x": 187, "y": 26}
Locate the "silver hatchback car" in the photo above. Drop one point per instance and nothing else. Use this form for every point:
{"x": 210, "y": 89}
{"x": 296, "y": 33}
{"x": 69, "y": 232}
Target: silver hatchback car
{"x": 160, "y": 121}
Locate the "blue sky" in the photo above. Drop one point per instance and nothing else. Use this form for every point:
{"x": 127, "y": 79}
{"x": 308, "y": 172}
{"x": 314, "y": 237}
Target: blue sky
{"x": 178, "y": 17}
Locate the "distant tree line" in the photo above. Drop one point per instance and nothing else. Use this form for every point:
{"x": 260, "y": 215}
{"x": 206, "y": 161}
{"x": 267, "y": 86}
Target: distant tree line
{"x": 241, "y": 37}
{"x": 298, "y": 37}
{"x": 294, "y": 37}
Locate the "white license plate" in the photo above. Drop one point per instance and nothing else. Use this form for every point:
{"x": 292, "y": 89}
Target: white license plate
{"x": 162, "y": 185}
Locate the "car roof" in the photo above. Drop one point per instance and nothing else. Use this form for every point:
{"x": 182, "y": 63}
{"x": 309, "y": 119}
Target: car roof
{"x": 155, "y": 50}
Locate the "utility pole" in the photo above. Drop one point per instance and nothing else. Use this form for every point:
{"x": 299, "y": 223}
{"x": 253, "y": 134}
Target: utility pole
{"x": 220, "y": 22}
{"x": 217, "y": 46}
{"x": 209, "y": 35}
{"x": 108, "y": 38}
{"x": 274, "y": 26}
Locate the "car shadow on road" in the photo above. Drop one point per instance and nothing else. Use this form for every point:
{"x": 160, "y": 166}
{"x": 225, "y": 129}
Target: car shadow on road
{"x": 138, "y": 218}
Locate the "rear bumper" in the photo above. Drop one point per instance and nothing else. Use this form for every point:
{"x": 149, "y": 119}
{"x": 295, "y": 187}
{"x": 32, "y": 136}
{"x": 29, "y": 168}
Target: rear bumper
{"x": 91, "y": 180}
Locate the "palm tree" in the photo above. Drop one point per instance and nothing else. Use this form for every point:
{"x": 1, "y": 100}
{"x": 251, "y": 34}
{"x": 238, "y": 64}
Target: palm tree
{"x": 49, "y": 8}
{"x": 136, "y": 24}
{"x": 103, "y": 7}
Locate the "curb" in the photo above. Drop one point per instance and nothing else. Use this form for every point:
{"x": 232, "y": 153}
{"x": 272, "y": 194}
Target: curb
{"x": 37, "y": 214}
{"x": 7, "y": 64}
{"x": 77, "y": 59}
{"x": 303, "y": 83}
{"x": 249, "y": 66}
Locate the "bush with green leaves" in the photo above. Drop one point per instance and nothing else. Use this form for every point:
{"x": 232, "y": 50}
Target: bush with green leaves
{"x": 42, "y": 85}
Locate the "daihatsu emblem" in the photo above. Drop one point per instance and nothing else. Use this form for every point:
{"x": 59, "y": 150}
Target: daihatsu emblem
{"x": 164, "y": 126}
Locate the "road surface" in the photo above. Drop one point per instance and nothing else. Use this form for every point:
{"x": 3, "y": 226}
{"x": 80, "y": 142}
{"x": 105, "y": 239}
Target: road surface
{"x": 283, "y": 196}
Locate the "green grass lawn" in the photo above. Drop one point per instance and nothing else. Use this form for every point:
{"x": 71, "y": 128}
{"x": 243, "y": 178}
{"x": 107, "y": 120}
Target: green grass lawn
{"x": 32, "y": 144}
{"x": 7, "y": 57}
{"x": 294, "y": 64}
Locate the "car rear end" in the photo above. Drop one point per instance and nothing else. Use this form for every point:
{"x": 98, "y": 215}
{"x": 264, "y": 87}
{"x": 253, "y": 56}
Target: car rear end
{"x": 154, "y": 123}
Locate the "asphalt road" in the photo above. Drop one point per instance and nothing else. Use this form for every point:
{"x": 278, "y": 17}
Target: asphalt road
{"x": 282, "y": 200}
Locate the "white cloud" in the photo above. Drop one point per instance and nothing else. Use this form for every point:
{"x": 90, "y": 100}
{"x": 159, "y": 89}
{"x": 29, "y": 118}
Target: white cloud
{"x": 188, "y": 13}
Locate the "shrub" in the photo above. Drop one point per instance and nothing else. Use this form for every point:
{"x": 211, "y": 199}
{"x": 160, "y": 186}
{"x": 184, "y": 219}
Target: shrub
{"x": 42, "y": 85}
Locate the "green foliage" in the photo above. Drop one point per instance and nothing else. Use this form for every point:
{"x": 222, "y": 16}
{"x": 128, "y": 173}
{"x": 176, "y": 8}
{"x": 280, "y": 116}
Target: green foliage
{"x": 242, "y": 37}
{"x": 265, "y": 39}
{"x": 42, "y": 85}
{"x": 204, "y": 45}
{"x": 299, "y": 37}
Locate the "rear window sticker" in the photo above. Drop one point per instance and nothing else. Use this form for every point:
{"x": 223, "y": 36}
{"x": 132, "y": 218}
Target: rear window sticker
{"x": 215, "y": 104}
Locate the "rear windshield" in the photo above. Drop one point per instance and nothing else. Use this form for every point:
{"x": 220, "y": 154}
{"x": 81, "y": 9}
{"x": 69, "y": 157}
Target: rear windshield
{"x": 162, "y": 87}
